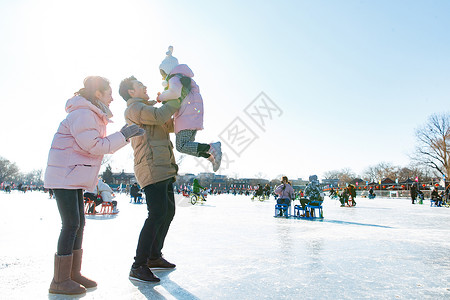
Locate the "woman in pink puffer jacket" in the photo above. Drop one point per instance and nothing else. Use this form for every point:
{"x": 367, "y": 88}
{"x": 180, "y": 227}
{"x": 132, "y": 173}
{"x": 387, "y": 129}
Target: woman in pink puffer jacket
{"x": 73, "y": 164}
{"x": 284, "y": 191}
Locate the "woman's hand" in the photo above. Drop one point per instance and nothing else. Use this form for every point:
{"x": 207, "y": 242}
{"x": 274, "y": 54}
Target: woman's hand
{"x": 132, "y": 130}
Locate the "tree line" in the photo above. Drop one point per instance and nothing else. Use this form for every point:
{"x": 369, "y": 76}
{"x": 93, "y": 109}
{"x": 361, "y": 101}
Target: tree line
{"x": 381, "y": 171}
{"x": 429, "y": 160}
{"x": 9, "y": 172}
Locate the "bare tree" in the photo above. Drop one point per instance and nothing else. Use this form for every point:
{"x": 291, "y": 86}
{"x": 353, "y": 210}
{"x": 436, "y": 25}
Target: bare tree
{"x": 370, "y": 174}
{"x": 433, "y": 144}
{"x": 412, "y": 171}
{"x": 406, "y": 173}
{"x": 8, "y": 170}
{"x": 381, "y": 171}
{"x": 334, "y": 174}
{"x": 424, "y": 173}
{"x": 387, "y": 170}
{"x": 345, "y": 175}
{"x": 34, "y": 177}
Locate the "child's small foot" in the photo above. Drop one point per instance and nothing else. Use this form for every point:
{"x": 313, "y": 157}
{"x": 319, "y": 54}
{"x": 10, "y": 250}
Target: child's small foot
{"x": 216, "y": 151}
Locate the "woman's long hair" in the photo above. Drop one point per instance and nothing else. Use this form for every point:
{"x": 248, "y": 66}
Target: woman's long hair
{"x": 91, "y": 85}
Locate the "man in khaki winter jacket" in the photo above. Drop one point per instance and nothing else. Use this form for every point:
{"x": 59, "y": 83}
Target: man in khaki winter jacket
{"x": 155, "y": 170}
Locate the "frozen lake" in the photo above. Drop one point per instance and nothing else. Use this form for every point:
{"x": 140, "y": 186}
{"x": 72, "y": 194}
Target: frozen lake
{"x": 233, "y": 248}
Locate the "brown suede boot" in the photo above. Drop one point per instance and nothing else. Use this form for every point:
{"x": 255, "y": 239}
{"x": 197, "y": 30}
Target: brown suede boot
{"x": 61, "y": 283}
{"x": 76, "y": 268}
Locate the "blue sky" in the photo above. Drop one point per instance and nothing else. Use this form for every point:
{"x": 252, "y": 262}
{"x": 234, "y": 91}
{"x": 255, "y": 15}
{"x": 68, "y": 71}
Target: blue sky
{"x": 353, "y": 79}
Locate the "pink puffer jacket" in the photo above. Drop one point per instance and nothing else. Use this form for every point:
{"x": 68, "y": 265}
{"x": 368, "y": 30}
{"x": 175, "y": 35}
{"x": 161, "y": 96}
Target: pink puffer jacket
{"x": 284, "y": 190}
{"x": 78, "y": 147}
{"x": 190, "y": 114}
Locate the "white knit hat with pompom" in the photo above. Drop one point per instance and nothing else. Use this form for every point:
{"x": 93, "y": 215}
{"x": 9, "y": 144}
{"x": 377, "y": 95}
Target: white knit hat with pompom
{"x": 169, "y": 62}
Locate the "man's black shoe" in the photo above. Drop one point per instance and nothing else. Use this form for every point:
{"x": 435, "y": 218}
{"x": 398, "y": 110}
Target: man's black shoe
{"x": 143, "y": 274}
{"x": 160, "y": 264}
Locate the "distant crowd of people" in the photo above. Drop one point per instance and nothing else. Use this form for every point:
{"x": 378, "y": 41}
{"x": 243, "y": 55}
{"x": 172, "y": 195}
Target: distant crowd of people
{"x": 347, "y": 196}
{"x": 9, "y": 186}
{"x": 439, "y": 198}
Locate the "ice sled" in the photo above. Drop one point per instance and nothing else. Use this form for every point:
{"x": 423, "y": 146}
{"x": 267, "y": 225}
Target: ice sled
{"x": 282, "y": 210}
{"x": 106, "y": 208}
{"x": 350, "y": 203}
{"x": 309, "y": 212}
{"x": 436, "y": 202}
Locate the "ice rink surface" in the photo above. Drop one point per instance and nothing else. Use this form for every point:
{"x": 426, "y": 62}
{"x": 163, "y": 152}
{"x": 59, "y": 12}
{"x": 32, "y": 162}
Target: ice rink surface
{"x": 233, "y": 248}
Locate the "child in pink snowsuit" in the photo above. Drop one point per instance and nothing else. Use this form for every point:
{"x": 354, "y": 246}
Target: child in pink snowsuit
{"x": 188, "y": 119}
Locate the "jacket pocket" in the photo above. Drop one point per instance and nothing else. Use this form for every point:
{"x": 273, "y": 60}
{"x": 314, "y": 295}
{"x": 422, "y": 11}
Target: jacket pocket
{"x": 162, "y": 153}
{"x": 82, "y": 176}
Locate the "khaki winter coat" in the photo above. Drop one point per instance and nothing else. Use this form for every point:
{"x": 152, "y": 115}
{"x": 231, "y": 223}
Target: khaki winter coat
{"x": 153, "y": 155}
